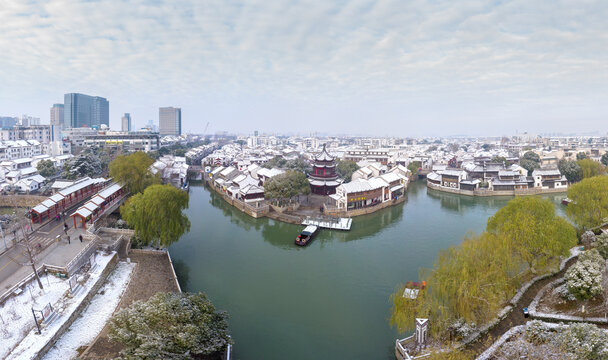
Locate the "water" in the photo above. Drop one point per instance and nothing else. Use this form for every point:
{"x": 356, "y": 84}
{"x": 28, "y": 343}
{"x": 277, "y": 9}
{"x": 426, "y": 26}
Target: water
{"x": 329, "y": 300}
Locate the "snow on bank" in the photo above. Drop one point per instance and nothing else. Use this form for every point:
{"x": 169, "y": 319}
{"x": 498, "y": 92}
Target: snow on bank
{"x": 94, "y": 317}
{"x": 22, "y": 340}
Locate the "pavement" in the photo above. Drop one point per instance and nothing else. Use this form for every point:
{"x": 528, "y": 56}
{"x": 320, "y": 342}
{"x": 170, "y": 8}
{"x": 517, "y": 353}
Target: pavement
{"x": 14, "y": 263}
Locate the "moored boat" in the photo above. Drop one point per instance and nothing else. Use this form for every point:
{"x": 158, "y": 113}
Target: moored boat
{"x": 566, "y": 201}
{"x": 306, "y": 236}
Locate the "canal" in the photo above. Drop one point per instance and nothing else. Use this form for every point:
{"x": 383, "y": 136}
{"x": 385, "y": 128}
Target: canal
{"x": 329, "y": 300}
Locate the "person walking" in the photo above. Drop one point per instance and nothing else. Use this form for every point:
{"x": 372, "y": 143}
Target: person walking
{"x": 69, "y": 239}
{"x": 65, "y": 228}
{"x": 80, "y": 237}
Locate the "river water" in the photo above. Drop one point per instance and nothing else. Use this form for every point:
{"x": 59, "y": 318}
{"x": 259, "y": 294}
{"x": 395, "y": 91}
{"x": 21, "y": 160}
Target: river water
{"x": 329, "y": 300}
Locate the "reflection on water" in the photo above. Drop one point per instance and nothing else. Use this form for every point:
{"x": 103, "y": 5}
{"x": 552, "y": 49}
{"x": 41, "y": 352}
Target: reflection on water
{"x": 329, "y": 300}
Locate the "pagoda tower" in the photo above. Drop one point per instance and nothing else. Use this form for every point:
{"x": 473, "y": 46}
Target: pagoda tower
{"x": 323, "y": 178}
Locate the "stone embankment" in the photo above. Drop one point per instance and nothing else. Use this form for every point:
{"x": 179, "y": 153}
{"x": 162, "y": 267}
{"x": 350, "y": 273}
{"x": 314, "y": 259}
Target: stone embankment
{"x": 485, "y": 192}
{"x": 295, "y": 217}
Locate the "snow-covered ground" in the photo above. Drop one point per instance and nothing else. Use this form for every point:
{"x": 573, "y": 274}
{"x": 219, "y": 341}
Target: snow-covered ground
{"x": 94, "y": 317}
{"x": 18, "y": 336}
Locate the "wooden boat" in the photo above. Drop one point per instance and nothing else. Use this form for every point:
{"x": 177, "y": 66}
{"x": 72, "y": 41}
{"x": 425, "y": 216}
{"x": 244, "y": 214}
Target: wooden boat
{"x": 306, "y": 236}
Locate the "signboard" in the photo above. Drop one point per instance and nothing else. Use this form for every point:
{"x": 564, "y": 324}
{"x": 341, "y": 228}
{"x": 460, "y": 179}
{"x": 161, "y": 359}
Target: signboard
{"x": 47, "y": 311}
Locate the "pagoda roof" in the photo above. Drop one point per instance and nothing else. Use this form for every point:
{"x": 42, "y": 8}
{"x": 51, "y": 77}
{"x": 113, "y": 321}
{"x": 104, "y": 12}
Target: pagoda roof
{"x": 324, "y": 155}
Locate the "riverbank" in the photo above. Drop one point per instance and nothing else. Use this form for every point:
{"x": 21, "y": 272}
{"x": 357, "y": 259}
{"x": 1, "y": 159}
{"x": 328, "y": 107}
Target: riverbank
{"x": 484, "y": 192}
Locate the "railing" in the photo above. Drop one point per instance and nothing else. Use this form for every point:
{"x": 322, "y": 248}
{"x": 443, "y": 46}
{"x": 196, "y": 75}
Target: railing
{"x": 79, "y": 260}
{"x": 12, "y": 289}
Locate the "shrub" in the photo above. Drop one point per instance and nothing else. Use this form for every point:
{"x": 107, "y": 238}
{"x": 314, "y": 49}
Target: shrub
{"x": 537, "y": 332}
{"x": 563, "y": 292}
{"x": 584, "y": 279}
{"x": 585, "y": 341}
{"x": 588, "y": 238}
{"x": 602, "y": 245}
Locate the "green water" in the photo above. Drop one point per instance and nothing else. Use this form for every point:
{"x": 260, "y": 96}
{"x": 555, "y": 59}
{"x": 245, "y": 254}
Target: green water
{"x": 329, "y": 300}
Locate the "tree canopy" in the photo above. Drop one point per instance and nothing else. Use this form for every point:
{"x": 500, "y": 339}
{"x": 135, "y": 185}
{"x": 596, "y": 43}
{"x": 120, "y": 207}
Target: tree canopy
{"x": 581, "y": 155}
{"x": 85, "y": 164}
{"x": 590, "y": 168}
{"x": 571, "y": 170}
{"x": 536, "y": 233}
{"x": 499, "y": 159}
{"x": 170, "y": 326}
{"x": 604, "y": 159}
{"x": 414, "y": 167}
{"x": 530, "y": 161}
{"x": 286, "y": 186}
{"x": 589, "y": 206}
{"x": 133, "y": 171}
{"x": 346, "y": 168}
{"x": 156, "y": 214}
{"x": 280, "y": 162}
{"x": 46, "y": 168}
{"x": 531, "y": 155}
{"x": 472, "y": 281}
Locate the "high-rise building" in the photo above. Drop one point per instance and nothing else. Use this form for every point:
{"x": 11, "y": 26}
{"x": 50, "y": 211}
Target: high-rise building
{"x": 170, "y": 121}
{"x": 7, "y": 122}
{"x": 56, "y": 121}
{"x": 26, "y": 120}
{"x": 126, "y": 123}
{"x": 85, "y": 111}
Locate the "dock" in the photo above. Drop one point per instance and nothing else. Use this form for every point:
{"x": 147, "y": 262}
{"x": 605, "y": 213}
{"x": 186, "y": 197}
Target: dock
{"x": 329, "y": 222}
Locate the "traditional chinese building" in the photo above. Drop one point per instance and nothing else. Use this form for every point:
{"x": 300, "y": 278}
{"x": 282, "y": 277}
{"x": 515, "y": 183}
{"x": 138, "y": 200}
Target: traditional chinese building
{"x": 323, "y": 178}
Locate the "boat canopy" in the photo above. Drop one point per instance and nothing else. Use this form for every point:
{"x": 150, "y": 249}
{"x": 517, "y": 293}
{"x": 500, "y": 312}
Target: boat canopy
{"x": 310, "y": 229}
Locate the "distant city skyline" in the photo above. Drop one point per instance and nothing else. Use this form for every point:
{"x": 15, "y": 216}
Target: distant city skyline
{"x": 383, "y": 68}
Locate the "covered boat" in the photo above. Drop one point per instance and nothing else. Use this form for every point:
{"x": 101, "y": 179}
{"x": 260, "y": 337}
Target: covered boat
{"x": 307, "y": 234}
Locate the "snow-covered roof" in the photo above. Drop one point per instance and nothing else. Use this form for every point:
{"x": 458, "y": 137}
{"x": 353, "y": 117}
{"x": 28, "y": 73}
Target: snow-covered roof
{"x": 105, "y": 193}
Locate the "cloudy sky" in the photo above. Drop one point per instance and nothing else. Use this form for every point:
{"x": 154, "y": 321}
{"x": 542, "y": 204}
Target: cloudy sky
{"x": 403, "y": 68}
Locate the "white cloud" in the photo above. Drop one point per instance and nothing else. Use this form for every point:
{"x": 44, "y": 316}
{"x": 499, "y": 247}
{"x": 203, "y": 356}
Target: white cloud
{"x": 465, "y": 65}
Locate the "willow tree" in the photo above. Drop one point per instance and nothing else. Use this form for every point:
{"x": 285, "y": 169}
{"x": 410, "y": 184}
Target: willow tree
{"x": 133, "y": 171}
{"x": 470, "y": 281}
{"x": 589, "y": 206}
{"x": 590, "y": 168}
{"x": 536, "y": 235}
{"x": 156, "y": 214}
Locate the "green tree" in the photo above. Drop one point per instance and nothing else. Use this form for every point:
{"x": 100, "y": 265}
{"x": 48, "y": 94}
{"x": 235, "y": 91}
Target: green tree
{"x": 589, "y": 206}
{"x": 531, "y": 155}
{"x": 170, "y": 326}
{"x": 536, "y": 234}
{"x": 277, "y": 162}
{"x": 604, "y": 159}
{"x": 85, "y": 164}
{"x": 299, "y": 164}
{"x": 414, "y": 167}
{"x": 529, "y": 165}
{"x": 286, "y": 186}
{"x": 156, "y": 214}
{"x": 133, "y": 171}
{"x": 590, "y": 168}
{"x": 499, "y": 159}
{"x": 46, "y": 168}
{"x": 581, "y": 155}
{"x": 571, "y": 170}
{"x": 346, "y": 168}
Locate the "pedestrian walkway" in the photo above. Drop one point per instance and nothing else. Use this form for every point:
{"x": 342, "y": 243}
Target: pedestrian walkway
{"x": 14, "y": 264}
